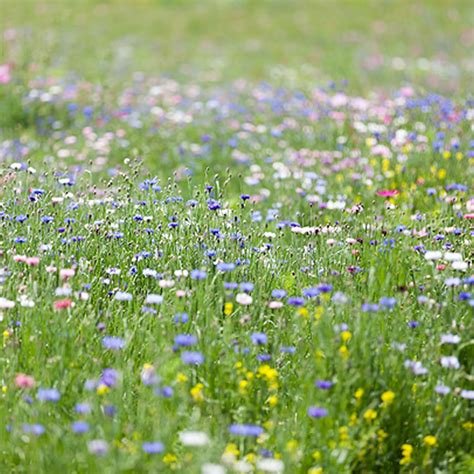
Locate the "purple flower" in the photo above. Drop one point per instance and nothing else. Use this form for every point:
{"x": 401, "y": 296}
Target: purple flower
{"x": 80, "y": 427}
{"x": 123, "y": 296}
{"x": 109, "y": 377}
{"x": 324, "y": 384}
{"x": 153, "y": 447}
{"x": 185, "y": 340}
{"x": 99, "y": 447}
{"x": 388, "y": 303}
{"x": 113, "y": 343}
{"x": 213, "y": 205}
{"x": 246, "y": 287}
{"x": 295, "y": 301}
{"x": 83, "y": 408}
{"x": 198, "y": 274}
{"x": 311, "y": 292}
{"x": 225, "y": 267}
{"x": 467, "y": 394}
{"x": 442, "y": 389}
{"x": 35, "y": 429}
{"x": 246, "y": 430}
{"x": 259, "y": 338}
{"x": 192, "y": 358}
{"x": 110, "y": 410}
{"x": 278, "y": 294}
{"x": 48, "y": 395}
{"x": 317, "y": 412}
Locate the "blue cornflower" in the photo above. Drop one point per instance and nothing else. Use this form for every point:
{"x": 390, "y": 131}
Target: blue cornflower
{"x": 153, "y": 447}
{"x": 198, "y": 274}
{"x": 225, "y": 267}
{"x": 295, "y": 301}
{"x": 259, "y": 338}
{"x": 317, "y": 412}
{"x": 48, "y": 395}
{"x": 80, "y": 427}
{"x": 323, "y": 384}
{"x": 213, "y": 205}
{"x": 185, "y": 340}
{"x": 192, "y": 358}
{"x": 246, "y": 430}
{"x": 114, "y": 343}
{"x": 35, "y": 429}
{"x": 83, "y": 408}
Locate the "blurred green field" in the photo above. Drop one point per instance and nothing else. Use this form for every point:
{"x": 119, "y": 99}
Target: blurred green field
{"x": 370, "y": 43}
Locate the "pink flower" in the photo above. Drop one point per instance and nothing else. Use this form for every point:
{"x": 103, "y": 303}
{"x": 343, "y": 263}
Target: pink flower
{"x": 24, "y": 381}
{"x": 5, "y": 76}
{"x": 387, "y": 192}
{"x": 32, "y": 261}
{"x": 275, "y": 304}
{"x": 66, "y": 273}
{"x": 63, "y": 304}
{"x": 19, "y": 258}
{"x": 469, "y": 216}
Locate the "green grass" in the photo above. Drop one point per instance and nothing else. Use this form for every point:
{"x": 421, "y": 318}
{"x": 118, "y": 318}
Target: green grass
{"x": 236, "y": 96}
{"x": 285, "y": 41}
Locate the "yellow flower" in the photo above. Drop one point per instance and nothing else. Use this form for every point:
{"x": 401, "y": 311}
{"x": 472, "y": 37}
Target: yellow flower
{"x": 387, "y": 397}
{"x": 181, "y": 378}
{"x": 442, "y": 173}
{"x": 196, "y": 392}
{"x": 102, "y": 389}
{"x": 243, "y": 384}
{"x": 316, "y": 455}
{"x": 228, "y": 308}
{"x": 407, "y": 450}
{"x": 430, "y": 440}
{"x": 250, "y": 457}
{"x": 319, "y": 354}
{"x": 468, "y": 425}
{"x": 291, "y": 445}
{"x": 346, "y": 335}
{"x": 272, "y": 400}
{"x": 381, "y": 435}
{"x": 315, "y": 470}
{"x": 303, "y": 312}
{"x": 343, "y": 433}
{"x": 370, "y": 415}
{"x": 268, "y": 425}
{"x": 169, "y": 458}
{"x": 344, "y": 351}
{"x": 232, "y": 450}
{"x": 268, "y": 373}
{"x": 4, "y": 389}
{"x": 359, "y": 393}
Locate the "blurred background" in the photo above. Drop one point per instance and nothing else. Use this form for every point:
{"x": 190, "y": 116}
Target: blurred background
{"x": 371, "y": 44}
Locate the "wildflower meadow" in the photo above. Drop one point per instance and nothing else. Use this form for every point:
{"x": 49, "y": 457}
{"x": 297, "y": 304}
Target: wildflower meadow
{"x": 236, "y": 237}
